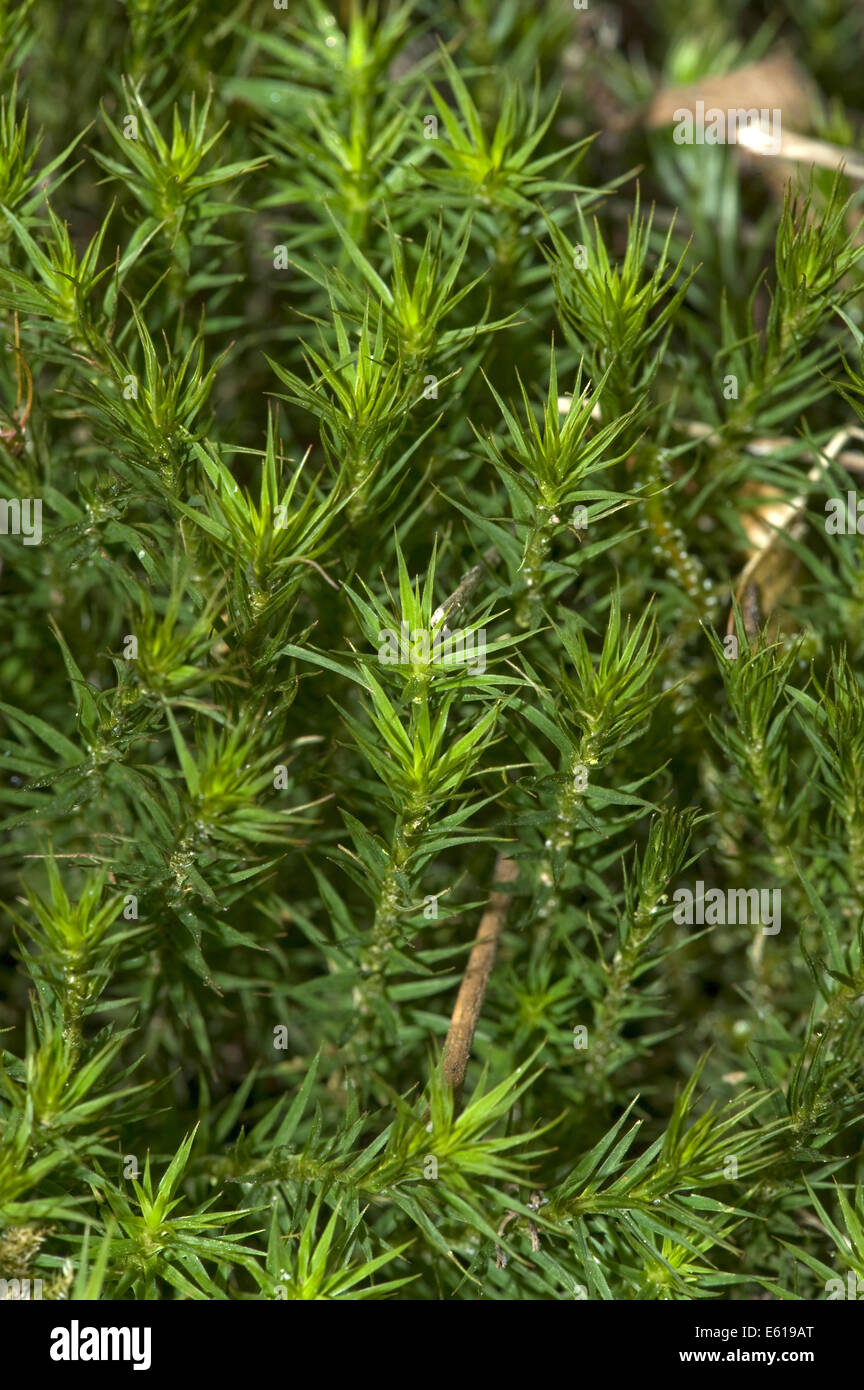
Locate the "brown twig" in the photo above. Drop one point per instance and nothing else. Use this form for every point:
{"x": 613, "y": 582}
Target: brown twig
{"x": 469, "y": 1000}
{"x": 785, "y": 521}
{"x": 801, "y": 149}
{"x": 768, "y": 444}
{"x": 466, "y": 586}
